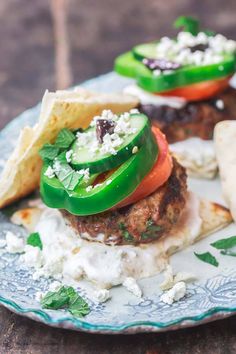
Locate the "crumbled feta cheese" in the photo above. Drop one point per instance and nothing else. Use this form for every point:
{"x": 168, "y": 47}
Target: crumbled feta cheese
{"x": 49, "y": 172}
{"x": 180, "y": 50}
{"x": 39, "y": 295}
{"x": 32, "y": 256}
{"x": 97, "y": 185}
{"x": 56, "y": 166}
{"x": 54, "y": 286}
{"x": 168, "y": 281}
{"x": 174, "y": 294}
{"x": 101, "y": 295}
{"x": 14, "y": 243}
{"x": 3, "y": 243}
{"x": 156, "y": 72}
{"x": 85, "y": 173}
{"x": 69, "y": 155}
{"x": 89, "y": 188}
{"x": 220, "y": 104}
{"x": 131, "y": 285}
{"x": 135, "y": 150}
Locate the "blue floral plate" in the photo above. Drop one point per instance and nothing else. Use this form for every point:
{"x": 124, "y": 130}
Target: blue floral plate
{"x": 211, "y": 297}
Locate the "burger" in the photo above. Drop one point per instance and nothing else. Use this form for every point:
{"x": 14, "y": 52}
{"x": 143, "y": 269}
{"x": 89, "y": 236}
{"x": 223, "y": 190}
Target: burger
{"x": 184, "y": 87}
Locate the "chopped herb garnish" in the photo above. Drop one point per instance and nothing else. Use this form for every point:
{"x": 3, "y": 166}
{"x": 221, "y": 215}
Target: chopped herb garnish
{"x": 78, "y": 307}
{"x": 34, "y": 240}
{"x": 207, "y": 258}
{"x": 49, "y": 152}
{"x": 67, "y": 176}
{"x": 151, "y": 230}
{"x": 64, "y": 139}
{"x": 189, "y": 24}
{"x": 66, "y": 298}
{"x": 56, "y": 299}
{"x": 125, "y": 233}
{"x": 225, "y": 243}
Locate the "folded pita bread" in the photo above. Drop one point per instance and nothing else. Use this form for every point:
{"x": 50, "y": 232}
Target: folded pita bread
{"x": 62, "y": 109}
{"x": 225, "y": 145}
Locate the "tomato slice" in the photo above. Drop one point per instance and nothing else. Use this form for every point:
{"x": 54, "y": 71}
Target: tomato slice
{"x": 199, "y": 91}
{"x": 157, "y": 176}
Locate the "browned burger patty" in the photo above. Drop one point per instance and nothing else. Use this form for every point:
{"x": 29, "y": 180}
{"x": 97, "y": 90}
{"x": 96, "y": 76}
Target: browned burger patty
{"x": 195, "y": 119}
{"x": 141, "y": 222}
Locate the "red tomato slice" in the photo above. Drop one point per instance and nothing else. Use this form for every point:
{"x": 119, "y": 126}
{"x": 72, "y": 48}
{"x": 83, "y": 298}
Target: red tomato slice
{"x": 199, "y": 91}
{"x": 157, "y": 176}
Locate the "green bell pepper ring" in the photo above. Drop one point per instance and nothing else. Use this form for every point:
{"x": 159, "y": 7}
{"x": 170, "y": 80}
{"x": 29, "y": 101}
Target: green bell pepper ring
{"x": 127, "y": 65}
{"x": 105, "y": 195}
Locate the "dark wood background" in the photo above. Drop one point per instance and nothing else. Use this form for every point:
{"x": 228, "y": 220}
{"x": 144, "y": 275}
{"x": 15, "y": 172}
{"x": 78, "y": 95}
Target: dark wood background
{"x": 97, "y": 30}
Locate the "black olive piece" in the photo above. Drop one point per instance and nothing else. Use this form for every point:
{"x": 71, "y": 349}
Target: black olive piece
{"x": 160, "y": 64}
{"x": 199, "y": 47}
{"x": 103, "y": 127}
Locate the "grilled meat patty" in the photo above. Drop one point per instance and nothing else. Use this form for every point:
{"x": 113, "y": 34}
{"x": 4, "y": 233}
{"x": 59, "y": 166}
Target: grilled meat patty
{"x": 142, "y": 222}
{"x": 195, "y": 119}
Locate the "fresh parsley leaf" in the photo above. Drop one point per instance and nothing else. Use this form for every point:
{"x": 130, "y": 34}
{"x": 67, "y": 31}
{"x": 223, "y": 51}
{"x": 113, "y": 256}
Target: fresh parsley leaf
{"x": 228, "y": 252}
{"x": 78, "y": 307}
{"x": 56, "y": 299}
{"x": 66, "y": 298}
{"x": 67, "y": 176}
{"x": 34, "y": 240}
{"x": 188, "y": 23}
{"x": 207, "y": 258}
{"x": 49, "y": 152}
{"x": 225, "y": 243}
{"x": 64, "y": 139}
{"x": 125, "y": 233}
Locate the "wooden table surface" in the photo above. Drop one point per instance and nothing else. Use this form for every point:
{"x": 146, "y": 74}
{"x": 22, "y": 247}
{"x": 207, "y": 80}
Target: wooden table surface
{"x": 96, "y": 32}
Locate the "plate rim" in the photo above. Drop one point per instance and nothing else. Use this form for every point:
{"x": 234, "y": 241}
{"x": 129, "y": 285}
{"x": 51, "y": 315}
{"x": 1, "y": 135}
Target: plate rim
{"x": 215, "y": 313}
{"x": 135, "y": 326}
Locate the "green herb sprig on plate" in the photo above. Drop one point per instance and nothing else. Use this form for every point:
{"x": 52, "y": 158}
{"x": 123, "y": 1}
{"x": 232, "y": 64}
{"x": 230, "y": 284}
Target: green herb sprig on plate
{"x": 66, "y": 298}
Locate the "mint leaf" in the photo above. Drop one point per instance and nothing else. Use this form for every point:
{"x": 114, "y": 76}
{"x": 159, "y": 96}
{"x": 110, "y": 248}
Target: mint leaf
{"x": 66, "y": 298}
{"x": 188, "y": 23}
{"x": 78, "y": 307}
{"x": 225, "y": 243}
{"x": 34, "y": 240}
{"x": 55, "y": 299}
{"x": 207, "y": 258}
{"x": 67, "y": 176}
{"x": 125, "y": 233}
{"x": 64, "y": 139}
{"x": 228, "y": 253}
{"x": 49, "y": 152}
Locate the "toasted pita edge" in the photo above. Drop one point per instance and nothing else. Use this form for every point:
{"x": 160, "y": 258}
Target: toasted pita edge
{"x": 62, "y": 109}
{"x": 214, "y": 218}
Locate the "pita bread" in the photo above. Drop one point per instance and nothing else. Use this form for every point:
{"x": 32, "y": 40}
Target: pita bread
{"x": 62, "y": 109}
{"x": 225, "y": 145}
{"x": 213, "y": 217}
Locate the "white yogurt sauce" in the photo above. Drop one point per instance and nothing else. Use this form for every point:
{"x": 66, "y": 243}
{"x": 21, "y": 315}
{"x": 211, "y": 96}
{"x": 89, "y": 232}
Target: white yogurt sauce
{"x": 65, "y": 255}
{"x": 146, "y": 97}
